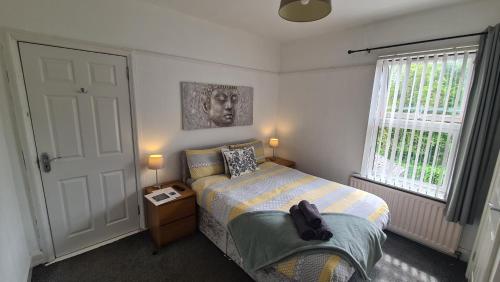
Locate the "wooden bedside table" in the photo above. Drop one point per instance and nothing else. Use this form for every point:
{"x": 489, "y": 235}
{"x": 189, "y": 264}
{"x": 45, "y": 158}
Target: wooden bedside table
{"x": 172, "y": 220}
{"x": 281, "y": 161}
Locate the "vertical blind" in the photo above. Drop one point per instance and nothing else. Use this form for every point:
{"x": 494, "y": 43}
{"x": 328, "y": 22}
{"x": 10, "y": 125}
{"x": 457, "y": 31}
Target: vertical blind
{"x": 417, "y": 108}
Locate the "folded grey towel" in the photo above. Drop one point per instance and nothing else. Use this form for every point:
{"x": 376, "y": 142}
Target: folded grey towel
{"x": 312, "y": 216}
{"x": 323, "y": 232}
{"x": 305, "y": 231}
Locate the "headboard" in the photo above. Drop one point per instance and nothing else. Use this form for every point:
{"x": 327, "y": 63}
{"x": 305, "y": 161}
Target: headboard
{"x": 184, "y": 167}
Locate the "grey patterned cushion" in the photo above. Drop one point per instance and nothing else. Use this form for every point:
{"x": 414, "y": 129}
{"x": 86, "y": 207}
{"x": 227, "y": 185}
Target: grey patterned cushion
{"x": 241, "y": 161}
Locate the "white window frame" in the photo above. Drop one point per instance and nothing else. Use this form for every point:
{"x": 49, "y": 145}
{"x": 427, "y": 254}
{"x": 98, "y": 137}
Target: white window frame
{"x": 378, "y": 117}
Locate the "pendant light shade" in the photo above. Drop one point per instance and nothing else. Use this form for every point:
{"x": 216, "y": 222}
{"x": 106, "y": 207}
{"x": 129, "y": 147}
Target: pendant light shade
{"x": 304, "y": 10}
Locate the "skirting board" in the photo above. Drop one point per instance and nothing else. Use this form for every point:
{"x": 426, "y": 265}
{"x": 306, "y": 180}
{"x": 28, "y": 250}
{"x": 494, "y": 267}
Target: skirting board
{"x": 84, "y": 250}
{"x": 38, "y": 258}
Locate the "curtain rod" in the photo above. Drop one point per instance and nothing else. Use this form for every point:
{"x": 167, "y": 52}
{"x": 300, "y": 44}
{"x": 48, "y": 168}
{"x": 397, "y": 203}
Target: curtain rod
{"x": 450, "y": 50}
{"x": 415, "y": 42}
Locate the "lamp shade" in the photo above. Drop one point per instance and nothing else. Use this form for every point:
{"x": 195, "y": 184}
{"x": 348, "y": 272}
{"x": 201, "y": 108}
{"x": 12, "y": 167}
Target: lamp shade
{"x": 156, "y": 161}
{"x": 274, "y": 142}
{"x": 304, "y": 10}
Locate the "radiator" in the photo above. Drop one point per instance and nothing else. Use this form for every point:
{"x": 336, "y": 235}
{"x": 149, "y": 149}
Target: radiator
{"x": 416, "y": 218}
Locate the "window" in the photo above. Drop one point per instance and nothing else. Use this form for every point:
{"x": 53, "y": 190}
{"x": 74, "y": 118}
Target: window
{"x": 417, "y": 108}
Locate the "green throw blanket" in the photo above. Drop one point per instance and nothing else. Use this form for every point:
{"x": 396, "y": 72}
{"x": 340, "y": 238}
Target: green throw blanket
{"x": 266, "y": 237}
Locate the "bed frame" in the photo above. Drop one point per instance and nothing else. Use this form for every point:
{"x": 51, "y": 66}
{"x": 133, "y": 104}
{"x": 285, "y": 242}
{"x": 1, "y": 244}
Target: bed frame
{"x": 219, "y": 235}
{"x": 215, "y": 231}
{"x": 221, "y": 238}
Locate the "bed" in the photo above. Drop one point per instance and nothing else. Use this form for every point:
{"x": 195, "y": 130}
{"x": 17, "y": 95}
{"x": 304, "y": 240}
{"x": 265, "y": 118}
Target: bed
{"x": 275, "y": 187}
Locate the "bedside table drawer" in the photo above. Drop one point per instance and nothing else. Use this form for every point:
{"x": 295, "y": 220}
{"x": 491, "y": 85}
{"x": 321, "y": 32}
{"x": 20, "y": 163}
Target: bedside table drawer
{"x": 177, "y": 229}
{"x": 177, "y": 209}
{"x": 171, "y": 220}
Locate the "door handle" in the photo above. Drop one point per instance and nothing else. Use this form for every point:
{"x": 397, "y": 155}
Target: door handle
{"x": 45, "y": 160}
{"x": 83, "y": 91}
{"x": 493, "y": 208}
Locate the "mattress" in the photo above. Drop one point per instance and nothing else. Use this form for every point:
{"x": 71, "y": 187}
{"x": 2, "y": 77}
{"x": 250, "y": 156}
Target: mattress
{"x": 275, "y": 187}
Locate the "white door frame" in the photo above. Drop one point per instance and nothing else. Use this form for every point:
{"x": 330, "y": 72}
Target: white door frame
{"x": 10, "y": 38}
{"x": 472, "y": 264}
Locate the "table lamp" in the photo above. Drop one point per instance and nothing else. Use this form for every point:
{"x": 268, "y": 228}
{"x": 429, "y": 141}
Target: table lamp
{"x": 156, "y": 162}
{"x": 274, "y": 143}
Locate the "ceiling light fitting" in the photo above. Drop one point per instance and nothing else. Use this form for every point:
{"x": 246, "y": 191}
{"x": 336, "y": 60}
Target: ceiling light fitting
{"x": 304, "y": 10}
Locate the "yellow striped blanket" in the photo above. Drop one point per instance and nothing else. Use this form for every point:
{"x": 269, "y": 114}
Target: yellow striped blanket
{"x": 275, "y": 187}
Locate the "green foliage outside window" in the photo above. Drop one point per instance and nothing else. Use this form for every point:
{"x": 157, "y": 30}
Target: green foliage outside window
{"x": 449, "y": 81}
{"x": 405, "y": 152}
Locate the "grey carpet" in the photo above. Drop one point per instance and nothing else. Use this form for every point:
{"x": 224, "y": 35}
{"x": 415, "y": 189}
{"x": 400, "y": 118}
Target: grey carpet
{"x": 196, "y": 259}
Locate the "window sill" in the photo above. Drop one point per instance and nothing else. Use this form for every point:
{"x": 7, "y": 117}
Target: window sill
{"x": 357, "y": 175}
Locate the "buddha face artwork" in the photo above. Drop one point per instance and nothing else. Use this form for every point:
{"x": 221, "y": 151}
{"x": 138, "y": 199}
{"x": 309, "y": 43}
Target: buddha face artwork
{"x": 215, "y": 105}
{"x": 219, "y": 104}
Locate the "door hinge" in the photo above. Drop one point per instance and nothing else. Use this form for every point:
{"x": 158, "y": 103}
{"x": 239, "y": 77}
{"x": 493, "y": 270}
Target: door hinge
{"x": 37, "y": 230}
{"x": 24, "y": 160}
{"x": 128, "y": 75}
{"x": 138, "y": 210}
{"x": 7, "y": 78}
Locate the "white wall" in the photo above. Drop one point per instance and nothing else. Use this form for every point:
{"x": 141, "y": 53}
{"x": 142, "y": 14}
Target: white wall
{"x": 17, "y": 237}
{"x": 168, "y": 47}
{"x": 15, "y": 257}
{"x": 158, "y": 104}
{"x": 323, "y": 113}
{"x": 341, "y": 84}
{"x": 141, "y": 25}
{"x": 322, "y": 119}
{"x": 330, "y": 50}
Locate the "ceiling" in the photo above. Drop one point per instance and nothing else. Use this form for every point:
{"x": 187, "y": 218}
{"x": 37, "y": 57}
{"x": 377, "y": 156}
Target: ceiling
{"x": 261, "y": 16}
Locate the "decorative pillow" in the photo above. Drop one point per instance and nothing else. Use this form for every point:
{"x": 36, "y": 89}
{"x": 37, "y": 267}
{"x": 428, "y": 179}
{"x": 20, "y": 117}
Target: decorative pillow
{"x": 258, "y": 147}
{"x": 241, "y": 161}
{"x": 205, "y": 162}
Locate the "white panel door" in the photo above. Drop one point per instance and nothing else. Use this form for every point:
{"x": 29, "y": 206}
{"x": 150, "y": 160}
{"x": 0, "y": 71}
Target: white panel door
{"x": 484, "y": 265}
{"x": 80, "y": 111}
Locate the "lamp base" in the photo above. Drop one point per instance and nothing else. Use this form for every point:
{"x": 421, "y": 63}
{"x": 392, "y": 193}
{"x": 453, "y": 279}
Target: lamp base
{"x": 158, "y": 185}
{"x": 274, "y": 155}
